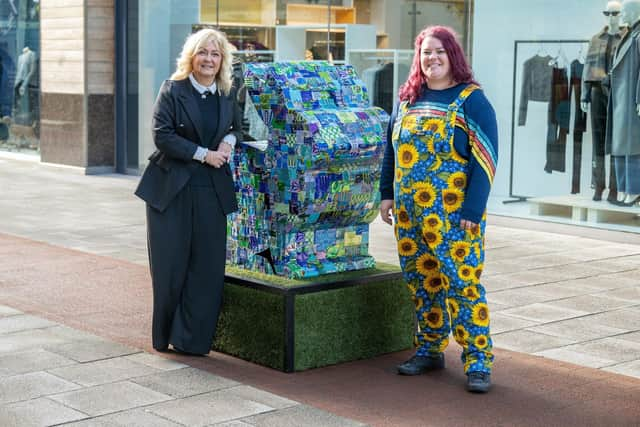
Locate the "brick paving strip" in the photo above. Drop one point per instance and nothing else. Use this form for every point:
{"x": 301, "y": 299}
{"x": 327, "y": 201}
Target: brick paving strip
{"x": 106, "y": 300}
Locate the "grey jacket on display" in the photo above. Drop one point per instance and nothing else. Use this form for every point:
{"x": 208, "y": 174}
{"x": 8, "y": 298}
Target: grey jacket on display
{"x": 536, "y": 84}
{"x": 623, "y": 122}
{"x": 598, "y": 60}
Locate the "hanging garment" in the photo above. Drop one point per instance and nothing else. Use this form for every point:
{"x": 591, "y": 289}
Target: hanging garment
{"x": 558, "y": 121}
{"x": 579, "y": 122}
{"x": 536, "y": 84}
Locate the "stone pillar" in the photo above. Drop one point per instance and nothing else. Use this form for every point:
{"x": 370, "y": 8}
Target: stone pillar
{"x": 77, "y": 80}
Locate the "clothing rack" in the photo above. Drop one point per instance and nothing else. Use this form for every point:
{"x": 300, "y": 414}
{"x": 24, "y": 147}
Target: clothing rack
{"x": 518, "y": 198}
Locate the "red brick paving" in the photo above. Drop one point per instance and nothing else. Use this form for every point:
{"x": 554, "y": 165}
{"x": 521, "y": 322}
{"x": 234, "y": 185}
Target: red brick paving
{"x": 112, "y": 298}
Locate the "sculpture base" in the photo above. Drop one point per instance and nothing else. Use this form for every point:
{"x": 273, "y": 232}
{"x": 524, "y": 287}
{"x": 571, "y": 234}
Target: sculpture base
{"x": 293, "y": 325}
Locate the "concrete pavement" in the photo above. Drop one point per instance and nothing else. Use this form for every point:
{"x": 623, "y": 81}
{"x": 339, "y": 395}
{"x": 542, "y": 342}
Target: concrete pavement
{"x": 559, "y": 294}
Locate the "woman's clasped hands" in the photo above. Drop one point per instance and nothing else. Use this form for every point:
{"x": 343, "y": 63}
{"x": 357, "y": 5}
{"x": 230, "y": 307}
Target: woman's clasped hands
{"x": 217, "y": 158}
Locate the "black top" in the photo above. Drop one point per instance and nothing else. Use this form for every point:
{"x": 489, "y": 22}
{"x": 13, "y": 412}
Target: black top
{"x": 209, "y": 108}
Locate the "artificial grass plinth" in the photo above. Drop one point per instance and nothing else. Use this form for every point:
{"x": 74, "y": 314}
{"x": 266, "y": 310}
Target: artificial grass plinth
{"x": 293, "y": 324}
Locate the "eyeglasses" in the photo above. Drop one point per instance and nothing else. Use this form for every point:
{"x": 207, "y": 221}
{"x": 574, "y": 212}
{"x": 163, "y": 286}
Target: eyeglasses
{"x": 612, "y": 13}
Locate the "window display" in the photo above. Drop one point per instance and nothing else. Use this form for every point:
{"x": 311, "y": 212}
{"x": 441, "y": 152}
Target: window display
{"x": 19, "y": 75}
{"x": 551, "y": 78}
{"x": 383, "y": 71}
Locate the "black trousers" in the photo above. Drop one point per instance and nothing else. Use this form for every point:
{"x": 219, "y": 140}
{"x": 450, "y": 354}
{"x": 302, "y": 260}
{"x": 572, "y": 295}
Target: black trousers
{"x": 187, "y": 251}
{"x": 577, "y": 160}
{"x": 556, "y": 148}
{"x": 598, "y": 129}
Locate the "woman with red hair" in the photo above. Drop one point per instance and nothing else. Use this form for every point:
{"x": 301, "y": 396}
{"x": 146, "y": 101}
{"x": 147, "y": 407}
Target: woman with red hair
{"x": 437, "y": 172}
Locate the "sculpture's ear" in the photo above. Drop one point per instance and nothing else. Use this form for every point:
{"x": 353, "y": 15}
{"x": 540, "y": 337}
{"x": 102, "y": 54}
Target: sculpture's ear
{"x": 267, "y": 255}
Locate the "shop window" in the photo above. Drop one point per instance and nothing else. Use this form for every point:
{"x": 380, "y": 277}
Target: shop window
{"x": 20, "y": 76}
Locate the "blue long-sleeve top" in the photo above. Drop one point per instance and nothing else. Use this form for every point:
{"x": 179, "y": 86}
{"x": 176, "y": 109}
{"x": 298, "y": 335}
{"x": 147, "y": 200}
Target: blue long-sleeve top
{"x": 483, "y": 147}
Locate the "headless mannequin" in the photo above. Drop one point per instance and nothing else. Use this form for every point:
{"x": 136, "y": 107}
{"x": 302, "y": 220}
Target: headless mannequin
{"x": 627, "y": 163}
{"x": 24, "y": 73}
{"x": 595, "y": 93}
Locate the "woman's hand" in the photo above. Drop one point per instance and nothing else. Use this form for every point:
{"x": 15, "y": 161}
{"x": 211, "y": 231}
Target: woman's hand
{"x": 217, "y": 158}
{"x": 386, "y": 211}
{"x": 465, "y": 224}
{"x": 225, "y": 147}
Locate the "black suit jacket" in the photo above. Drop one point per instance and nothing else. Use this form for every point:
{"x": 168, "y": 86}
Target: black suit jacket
{"x": 177, "y": 132}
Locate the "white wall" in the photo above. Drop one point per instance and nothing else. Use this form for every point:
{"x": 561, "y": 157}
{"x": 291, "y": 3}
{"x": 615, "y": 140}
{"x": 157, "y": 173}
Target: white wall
{"x": 497, "y": 24}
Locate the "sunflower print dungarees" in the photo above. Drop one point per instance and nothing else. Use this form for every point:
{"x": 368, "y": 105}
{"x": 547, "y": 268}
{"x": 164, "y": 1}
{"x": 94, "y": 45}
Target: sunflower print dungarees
{"x": 441, "y": 262}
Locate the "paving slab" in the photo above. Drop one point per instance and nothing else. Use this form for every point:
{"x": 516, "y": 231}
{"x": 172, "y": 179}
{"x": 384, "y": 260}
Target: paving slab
{"x": 531, "y": 342}
{"x": 591, "y": 303}
{"x": 543, "y": 313}
{"x": 631, "y": 336}
{"x": 8, "y": 311}
{"x": 108, "y": 398}
{"x": 627, "y": 368}
{"x": 261, "y": 396}
{"x": 563, "y": 289}
{"x": 134, "y": 417}
{"x": 616, "y": 349}
{"x": 37, "y": 413}
{"x": 504, "y": 323}
{"x": 27, "y": 340}
{"x": 626, "y": 318}
{"x": 300, "y": 415}
{"x": 31, "y": 361}
{"x": 32, "y": 385}
{"x": 515, "y": 297}
{"x": 156, "y": 362}
{"x": 631, "y": 295}
{"x": 576, "y": 356}
{"x": 184, "y": 382}
{"x": 578, "y": 329}
{"x": 234, "y": 423}
{"x": 22, "y": 322}
{"x": 103, "y": 371}
{"x": 91, "y": 350}
{"x": 207, "y": 409}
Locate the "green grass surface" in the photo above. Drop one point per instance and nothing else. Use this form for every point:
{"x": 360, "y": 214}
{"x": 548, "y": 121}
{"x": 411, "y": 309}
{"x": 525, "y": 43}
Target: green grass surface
{"x": 352, "y": 323}
{"x": 327, "y": 278}
{"x": 331, "y": 326}
{"x": 251, "y": 326}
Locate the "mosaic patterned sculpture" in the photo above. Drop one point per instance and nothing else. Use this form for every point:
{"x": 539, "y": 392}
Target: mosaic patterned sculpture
{"x": 306, "y": 201}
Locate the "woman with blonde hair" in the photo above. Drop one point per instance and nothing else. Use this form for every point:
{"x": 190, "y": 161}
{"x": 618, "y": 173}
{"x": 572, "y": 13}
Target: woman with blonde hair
{"x": 188, "y": 189}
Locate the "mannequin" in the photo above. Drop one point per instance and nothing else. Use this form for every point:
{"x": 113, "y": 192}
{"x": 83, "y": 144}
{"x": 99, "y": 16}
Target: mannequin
{"x": 595, "y": 93}
{"x": 623, "y": 115}
{"x": 24, "y": 73}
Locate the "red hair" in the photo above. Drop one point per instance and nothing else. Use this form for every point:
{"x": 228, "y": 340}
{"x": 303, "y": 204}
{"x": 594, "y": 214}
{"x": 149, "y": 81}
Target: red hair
{"x": 460, "y": 69}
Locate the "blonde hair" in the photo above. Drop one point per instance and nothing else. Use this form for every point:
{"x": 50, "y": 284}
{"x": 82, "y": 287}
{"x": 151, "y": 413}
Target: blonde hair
{"x": 195, "y": 42}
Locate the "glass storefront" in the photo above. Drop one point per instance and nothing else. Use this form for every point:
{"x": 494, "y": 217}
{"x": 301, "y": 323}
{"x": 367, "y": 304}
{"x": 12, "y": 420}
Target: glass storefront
{"x": 372, "y": 35}
{"x": 19, "y": 76}
{"x": 551, "y": 160}
{"x": 548, "y": 74}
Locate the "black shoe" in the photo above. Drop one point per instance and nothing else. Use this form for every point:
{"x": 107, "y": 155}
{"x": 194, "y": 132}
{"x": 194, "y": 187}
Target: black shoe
{"x": 186, "y": 353}
{"x": 420, "y": 364}
{"x": 478, "y": 382}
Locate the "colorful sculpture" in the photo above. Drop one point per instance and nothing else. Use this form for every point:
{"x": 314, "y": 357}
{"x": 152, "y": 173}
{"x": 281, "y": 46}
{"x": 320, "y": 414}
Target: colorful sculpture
{"x": 307, "y": 200}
